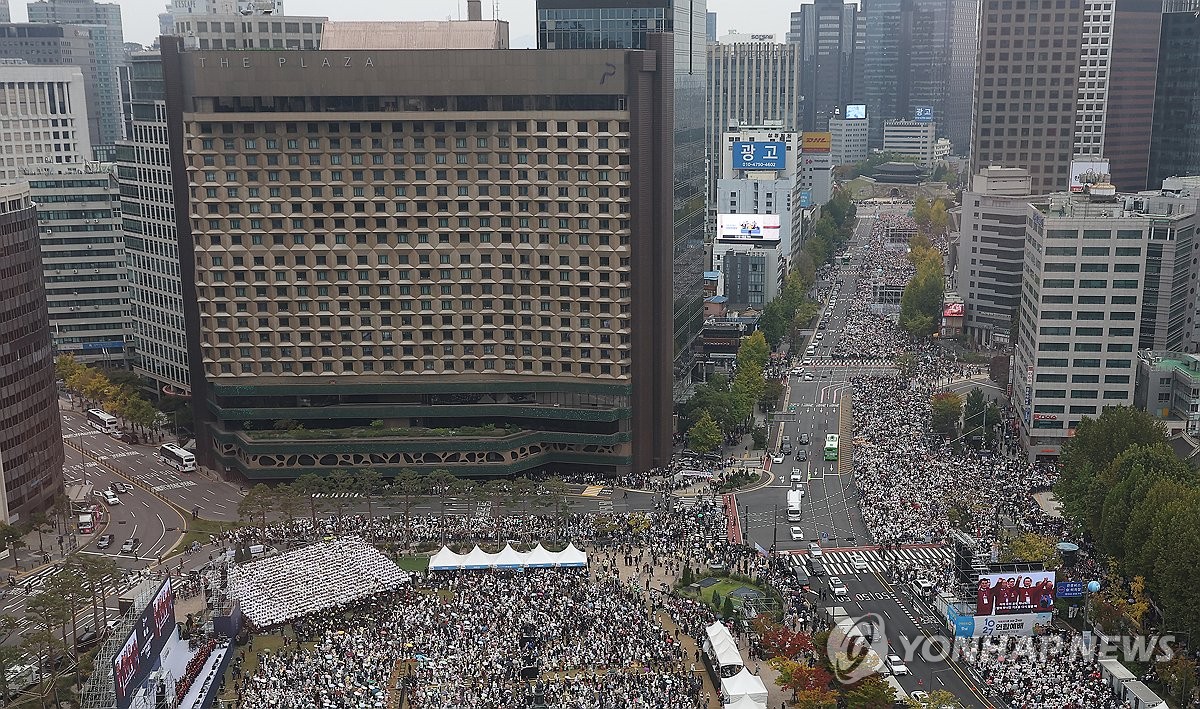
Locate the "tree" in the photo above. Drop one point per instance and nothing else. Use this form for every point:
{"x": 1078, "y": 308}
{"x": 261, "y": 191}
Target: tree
{"x": 815, "y": 699}
{"x": 975, "y": 415}
{"x": 405, "y": 486}
{"x": 921, "y": 301}
{"x": 340, "y": 481}
{"x": 1031, "y": 547}
{"x": 922, "y": 212}
{"x": 442, "y": 484}
{"x": 772, "y": 392}
{"x": 256, "y": 505}
{"x": 93, "y": 571}
{"x": 368, "y": 483}
{"x": 754, "y": 351}
{"x": 704, "y": 436}
{"x": 946, "y": 409}
{"x": 870, "y": 693}
{"x": 779, "y": 640}
{"x": 727, "y": 609}
{"x": 39, "y": 523}
{"x": 11, "y": 537}
{"x": 1096, "y": 444}
{"x": 1179, "y": 675}
{"x": 1124, "y": 484}
{"x": 309, "y": 486}
{"x": 940, "y": 698}
{"x": 800, "y": 677}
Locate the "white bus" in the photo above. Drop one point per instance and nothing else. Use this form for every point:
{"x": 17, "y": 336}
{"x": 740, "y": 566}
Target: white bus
{"x": 102, "y": 421}
{"x": 795, "y": 500}
{"x": 176, "y": 457}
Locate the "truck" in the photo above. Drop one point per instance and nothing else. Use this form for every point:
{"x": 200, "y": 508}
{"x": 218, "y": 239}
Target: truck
{"x": 86, "y": 523}
{"x": 795, "y": 500}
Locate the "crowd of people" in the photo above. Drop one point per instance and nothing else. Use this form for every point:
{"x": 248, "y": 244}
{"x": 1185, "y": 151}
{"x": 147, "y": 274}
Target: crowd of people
{"x": 1029, "y": 676}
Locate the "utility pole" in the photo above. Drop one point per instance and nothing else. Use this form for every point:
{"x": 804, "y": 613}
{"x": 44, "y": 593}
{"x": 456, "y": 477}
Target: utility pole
{"x": 775, "y": 530}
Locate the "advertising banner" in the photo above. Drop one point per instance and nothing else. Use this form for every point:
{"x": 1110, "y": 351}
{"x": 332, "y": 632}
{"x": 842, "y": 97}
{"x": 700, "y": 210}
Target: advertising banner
{"x": 750, "y": 227}
{"x": 805, "y": 199}
{"x": 816, "y": 142}
{"x": 1028, "y": 396}
{"x": 1087, "y": 172}
{"x": 759, "y": 156}
{"x": 856, "y": 110}
{"x": 138, "y": 655}
{"x": 924, "y": 114}
{"x": 1013, "y": 592}
{"x": 978, "y": 626}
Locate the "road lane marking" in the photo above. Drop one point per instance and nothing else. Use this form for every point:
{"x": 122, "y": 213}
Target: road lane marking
{"x": 173, "y": 486}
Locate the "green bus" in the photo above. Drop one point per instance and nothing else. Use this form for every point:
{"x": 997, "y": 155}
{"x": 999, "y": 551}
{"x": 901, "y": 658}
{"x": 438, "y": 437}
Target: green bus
{"x": 831, "y": 446}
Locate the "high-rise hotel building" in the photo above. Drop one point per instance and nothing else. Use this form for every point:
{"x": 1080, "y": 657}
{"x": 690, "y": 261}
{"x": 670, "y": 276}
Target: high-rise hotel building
{"x": 428, "y": 259}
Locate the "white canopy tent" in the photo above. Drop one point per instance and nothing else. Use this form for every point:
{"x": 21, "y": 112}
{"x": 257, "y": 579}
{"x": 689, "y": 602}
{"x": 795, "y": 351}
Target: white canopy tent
{"x": 745, "y": 684}
{"x": 540, "y": 558}
{"x": 446, "y": 560}
{"x": 572, "y": 557}
{"x": 722, "y": 649}
{"x": 508, "y": 558}
{"x": 746, "y": 702}
{"x": 479, "y": 559}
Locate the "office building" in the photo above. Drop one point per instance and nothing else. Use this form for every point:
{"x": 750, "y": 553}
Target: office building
{"x": 103, "y": 21}
{"x": 1175, "y": 134}
{"x": 911, "y": 139}
{"x": 710, "y": 27}
{"x": 83, "y": 258}
{"x": 5, "y": 12}
{"x": 210, "y": 31}
{"x": 751, "y": 84}
{"x": 31, "y": 445}
{"x": 760, "y": 195}
{"x": 848, "y": 139}
{"x": 67, "y": 46}
{"x": 750, "y": 277}
{"x": 765, "y": 149}
{"x": 627, "y": 24}
{"x": 472, "y": 252}
{"x": 43, "y": 117}
{"x": 814, "y": 173}
{"x": 1106, "y": 275}
{"x": 825, "y": 33}
{"x": 1091, "y": 90}
{"x": 1131, "y": 82}
{"x": 151, "y": 240}
{"x": 1007, "y": 129}
{"x": 964, "y": 45}
{"x": 906, "y": 66}
{"x": 991, "y": 252}
{"x": 1168, "y": 387}
{"x": 472, "y": 33}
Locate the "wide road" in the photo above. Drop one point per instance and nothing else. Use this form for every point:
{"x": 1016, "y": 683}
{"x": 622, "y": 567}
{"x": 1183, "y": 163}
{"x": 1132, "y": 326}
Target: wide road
{"x": 818, "y": 404}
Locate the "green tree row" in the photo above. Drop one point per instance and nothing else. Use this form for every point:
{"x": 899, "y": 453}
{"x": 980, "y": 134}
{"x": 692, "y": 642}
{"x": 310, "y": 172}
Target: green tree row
{"x": 722, "y": 406}
{"x": 116, "y": 392}
{"x": 1122, "y": 482}
{"x": 921, "y": 302}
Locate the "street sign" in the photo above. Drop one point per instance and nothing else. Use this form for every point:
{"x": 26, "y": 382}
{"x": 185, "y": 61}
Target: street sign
{"x": 1069, "y": 589}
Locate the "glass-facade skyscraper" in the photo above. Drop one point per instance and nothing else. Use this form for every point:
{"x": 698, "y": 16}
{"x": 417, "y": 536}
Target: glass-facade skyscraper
{"x": 624, "y": 24}
{"x": 1175, "y": 137}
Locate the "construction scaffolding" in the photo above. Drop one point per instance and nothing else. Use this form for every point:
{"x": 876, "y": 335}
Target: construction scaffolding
{"x": 100, "y": 692}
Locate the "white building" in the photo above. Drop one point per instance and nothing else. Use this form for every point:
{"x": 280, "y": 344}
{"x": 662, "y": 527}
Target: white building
{"x": 991, "y": 251}
{"x": 83, "y": 259}
{"x": 1105, "y": 276}
{"x": 848, "y": 140}
{"x": 759, "y": 196}
{"x": 1091, "y": 95}
{"x": 43, "y": 117}
{"x": 144, "y": 173}
{"x": 251, "y": 31}
{"x": 759, "y": 151}
{"x": 914, "y": 139}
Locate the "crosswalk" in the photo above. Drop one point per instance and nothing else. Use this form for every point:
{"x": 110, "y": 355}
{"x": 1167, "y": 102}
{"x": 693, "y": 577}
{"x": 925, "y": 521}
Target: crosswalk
{"x": 871, "y": 363}
{"x": 38, "y": 580}
{"x": 840, "y": 562}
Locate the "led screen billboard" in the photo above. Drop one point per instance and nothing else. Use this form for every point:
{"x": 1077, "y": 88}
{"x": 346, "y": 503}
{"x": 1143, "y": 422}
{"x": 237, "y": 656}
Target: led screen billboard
{"x": 1087, "y": 172}
{"x": 856, "y": 110}
{"x": 750, "y": 227}
{"x": 1013, "y": 592}
{"x": 748, "y": 155}
{"x": 137, "y": 656}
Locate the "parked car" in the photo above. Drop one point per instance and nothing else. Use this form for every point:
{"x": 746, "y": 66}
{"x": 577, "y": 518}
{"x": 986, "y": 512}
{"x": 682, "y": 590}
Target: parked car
{"x": 105, "y": 541}
{"x": 127, "y": 437}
